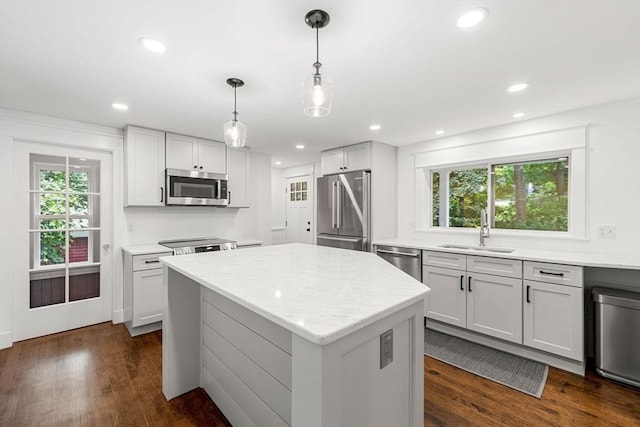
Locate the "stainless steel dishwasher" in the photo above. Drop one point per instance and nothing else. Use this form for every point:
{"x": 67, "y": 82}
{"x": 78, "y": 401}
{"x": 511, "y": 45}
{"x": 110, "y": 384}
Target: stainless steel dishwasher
{"x": 407, "y": 260}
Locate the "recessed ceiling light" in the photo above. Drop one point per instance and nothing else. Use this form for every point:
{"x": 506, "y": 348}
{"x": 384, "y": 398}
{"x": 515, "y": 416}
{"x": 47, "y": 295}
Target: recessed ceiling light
{"x": 472, "y": 17}
{"x": 119, "y": 106}
{"x": 375, "y": 127}
{"x": 517, "y": 115}
{"x": 277, "y": 163}
{"x": 299, "y": 146}
{"x": 439, "y": 132}
{"x": 152, "y": 45}
{"x": 518, "y": 87}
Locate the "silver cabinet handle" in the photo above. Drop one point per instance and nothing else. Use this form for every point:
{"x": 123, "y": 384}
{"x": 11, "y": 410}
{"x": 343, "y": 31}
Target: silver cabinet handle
{"x": 383, "y": 251}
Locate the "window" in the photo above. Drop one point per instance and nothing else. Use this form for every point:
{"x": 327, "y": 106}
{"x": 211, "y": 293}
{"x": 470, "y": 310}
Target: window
{"x": 298, "y": 191}
{"x": 64, "y": 230}
{"x": 530, "y": 195}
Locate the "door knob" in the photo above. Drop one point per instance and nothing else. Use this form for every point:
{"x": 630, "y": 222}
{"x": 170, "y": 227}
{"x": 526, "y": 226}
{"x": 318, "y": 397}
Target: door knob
{"x": 106, "y": 246}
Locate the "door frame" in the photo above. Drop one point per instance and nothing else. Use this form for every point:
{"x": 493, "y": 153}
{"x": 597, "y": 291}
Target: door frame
{"x": 311, "y": 199}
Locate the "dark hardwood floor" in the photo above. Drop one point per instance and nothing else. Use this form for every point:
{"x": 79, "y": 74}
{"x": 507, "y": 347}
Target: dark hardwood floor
{"x": 100, "y": 376}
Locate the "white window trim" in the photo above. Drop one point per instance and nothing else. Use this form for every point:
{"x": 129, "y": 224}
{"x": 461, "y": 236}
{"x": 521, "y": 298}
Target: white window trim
{"x": 577, "y": 200}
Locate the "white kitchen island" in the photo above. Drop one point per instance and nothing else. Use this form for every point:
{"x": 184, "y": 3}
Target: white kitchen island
{"x": 290, "y": 335}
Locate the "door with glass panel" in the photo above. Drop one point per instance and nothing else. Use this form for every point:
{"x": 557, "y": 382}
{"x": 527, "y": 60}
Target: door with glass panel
{"x": 62, "y": 276}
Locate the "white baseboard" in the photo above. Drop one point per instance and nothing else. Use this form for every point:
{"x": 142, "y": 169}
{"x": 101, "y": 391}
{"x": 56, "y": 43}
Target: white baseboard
{"x": 118, "y": 316}
{"x": 134, "y": 332}
{"x": 6, "y": 339}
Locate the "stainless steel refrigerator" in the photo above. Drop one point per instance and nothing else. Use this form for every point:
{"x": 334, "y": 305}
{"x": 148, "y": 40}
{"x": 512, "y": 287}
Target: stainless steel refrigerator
{"x": 344, "y": 211}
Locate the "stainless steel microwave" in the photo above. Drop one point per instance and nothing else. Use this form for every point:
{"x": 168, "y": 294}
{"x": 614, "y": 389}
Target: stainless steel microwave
{"x": 193, "y": 188}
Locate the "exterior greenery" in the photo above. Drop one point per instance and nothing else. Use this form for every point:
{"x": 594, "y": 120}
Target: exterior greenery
{"x": 525, "y": 196}
{"x": 53, "y": 207}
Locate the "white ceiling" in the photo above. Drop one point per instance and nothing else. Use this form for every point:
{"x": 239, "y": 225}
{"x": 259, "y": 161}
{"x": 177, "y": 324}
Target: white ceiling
{"x": 402, "y": 64}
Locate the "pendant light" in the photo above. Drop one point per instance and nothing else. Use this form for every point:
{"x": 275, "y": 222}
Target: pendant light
{"x": 235, "y": 132}
{"x": 317, "y": 88}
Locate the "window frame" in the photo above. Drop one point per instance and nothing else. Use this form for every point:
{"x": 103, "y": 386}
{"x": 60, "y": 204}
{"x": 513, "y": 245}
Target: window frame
{"x": 425, "y": 195}
{"x": 36, "y": 168}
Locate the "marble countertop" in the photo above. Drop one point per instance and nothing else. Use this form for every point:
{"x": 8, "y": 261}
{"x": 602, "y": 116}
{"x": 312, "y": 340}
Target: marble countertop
{"x": 145, "y": 249}
{"x": 319, "y": 293}
{"x": 557, "y": 257}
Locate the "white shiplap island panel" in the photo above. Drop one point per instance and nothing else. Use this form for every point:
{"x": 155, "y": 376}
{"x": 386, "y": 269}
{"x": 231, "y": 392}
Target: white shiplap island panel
{"x": 290, "y": 335}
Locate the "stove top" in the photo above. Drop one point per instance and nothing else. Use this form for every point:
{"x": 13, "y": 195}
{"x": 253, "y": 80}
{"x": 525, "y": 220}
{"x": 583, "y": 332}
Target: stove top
{"x": 194, "y": 242}
{"x": 198, "y": 244}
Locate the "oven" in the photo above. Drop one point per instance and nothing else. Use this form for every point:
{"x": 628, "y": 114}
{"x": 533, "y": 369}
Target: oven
{"x": 198, "y": 245}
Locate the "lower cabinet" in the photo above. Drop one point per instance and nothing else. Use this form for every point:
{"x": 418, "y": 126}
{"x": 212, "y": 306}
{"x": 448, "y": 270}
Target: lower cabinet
{"x": 553, "y": 312}
{"x": 467, "y": 297}
{"x": 143, "y": 297}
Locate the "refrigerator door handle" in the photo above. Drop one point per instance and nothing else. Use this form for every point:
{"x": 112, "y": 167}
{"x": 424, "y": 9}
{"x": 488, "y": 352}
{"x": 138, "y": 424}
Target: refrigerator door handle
{"x": 339, "y": 210}
{"x": 333, "y": 204}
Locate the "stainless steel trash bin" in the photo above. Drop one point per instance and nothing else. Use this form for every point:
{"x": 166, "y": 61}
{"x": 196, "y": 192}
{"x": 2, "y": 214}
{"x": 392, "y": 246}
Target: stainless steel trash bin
{"x": 617, "y": 315}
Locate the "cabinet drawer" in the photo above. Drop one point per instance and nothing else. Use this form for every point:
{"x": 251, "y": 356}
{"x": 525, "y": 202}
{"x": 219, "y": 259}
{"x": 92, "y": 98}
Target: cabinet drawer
{"x": 494, "y": 266}
{"x": 570, "y": 275}
{"x": 148, "y": 261}
{"x": 444, "y": 259}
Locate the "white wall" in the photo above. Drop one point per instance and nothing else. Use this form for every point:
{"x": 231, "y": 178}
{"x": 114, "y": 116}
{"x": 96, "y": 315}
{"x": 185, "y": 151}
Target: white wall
{"x": 130, "y": 225}
{"x": 613, "y": 196}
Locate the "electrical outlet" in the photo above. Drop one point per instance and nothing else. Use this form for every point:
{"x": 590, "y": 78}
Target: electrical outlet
{"x": 607, "y": 231}
{"x": 386, "y": 348}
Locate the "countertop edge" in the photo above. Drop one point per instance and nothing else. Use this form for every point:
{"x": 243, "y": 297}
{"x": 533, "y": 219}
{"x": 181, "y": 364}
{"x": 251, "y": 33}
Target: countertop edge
{"x": 578, "y": 258}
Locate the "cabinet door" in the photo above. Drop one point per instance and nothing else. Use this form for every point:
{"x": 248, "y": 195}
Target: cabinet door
{"x": 144, "y": 167}
{"x": 552, "y": 317}
{"x": 239, "y": 163}
{"x": 212, "y": 156}
{"x": 148, "y": 300}
{"x": 494, "y": 306}
{"x": 447, "y": 299}
{"x": 182, "y": 152}
{"x": 331, "y": 161}
{"x": 357, "y": 157}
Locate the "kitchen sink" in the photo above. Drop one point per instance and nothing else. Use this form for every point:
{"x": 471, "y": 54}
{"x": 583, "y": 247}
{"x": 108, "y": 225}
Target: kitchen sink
{"x": 477, "y": 248}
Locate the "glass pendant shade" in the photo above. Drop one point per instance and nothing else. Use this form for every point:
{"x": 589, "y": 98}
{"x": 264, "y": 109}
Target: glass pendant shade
{"x": 235, "y": 133}
{"x": 318, "y": 91}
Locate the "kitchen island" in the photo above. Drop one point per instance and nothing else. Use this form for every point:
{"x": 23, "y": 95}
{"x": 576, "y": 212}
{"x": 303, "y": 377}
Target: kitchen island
{"x": 296, "y": 335}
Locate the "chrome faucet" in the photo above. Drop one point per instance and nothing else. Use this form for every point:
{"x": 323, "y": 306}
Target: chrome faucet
{"x": 484, "y": 227}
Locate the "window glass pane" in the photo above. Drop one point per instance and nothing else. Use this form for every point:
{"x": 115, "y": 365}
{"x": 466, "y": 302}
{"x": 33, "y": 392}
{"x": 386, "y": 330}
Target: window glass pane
{"x": 435, "y": 196}
{"x": 79, "y": 242}
{"x": 532, "y": 196}
{"x": 78, "y": 181}
{"x": 79, "y": 223}
{"x": 52, "y": 180}
{"x": 52, "y": 224}
{"x": 78, "y": 204}
{"x": 467, "y": 196}
{"x": 52, "y": 204}
{"x": 46, "y": 288}
{"x": 52, "y": 249}
{"x": 84, "y": 283}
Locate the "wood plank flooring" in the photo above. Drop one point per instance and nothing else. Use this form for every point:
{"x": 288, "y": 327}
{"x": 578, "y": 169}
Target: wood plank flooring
{"x": 100, "y": 376}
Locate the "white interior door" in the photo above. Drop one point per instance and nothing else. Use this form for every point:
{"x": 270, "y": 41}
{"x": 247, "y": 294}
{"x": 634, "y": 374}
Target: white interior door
{"x": 62, "y": 200}
{"x": 299, "y": 209}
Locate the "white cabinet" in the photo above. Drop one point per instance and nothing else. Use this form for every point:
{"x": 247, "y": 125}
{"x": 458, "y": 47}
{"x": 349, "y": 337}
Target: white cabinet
{"x": 189, "y": 153}
{"x": 143, "y": 297}
{"x": 346, "y": 159}
{"x": 464, "y": 295}
{"x": 144, "y": 156}
{"x": 239, "y": 166}
{"x": 553, "y": 313}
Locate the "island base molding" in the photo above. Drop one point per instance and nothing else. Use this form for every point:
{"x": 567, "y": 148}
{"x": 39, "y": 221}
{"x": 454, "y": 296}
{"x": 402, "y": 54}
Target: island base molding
{"x": 559, "y": 362}
{"x": 261, "y": 374}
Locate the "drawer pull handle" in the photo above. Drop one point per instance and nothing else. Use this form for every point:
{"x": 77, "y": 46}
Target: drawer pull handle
{"x": 528, "y": 288}
{"x": 461, "y": 282}
{"x": 469, "y": 283}
{"x": 551, "y": 273}
{"x": 384, "y": 251}
{"x": 151, "y": 261}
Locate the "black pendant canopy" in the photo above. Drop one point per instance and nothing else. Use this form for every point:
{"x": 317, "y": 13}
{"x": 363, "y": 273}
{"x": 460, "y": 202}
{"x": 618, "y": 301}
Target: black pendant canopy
{"x": 317, "y": 18}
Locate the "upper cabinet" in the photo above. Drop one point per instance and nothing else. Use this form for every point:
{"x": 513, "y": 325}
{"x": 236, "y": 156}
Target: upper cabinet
{"x": 346, "y": 159}
{"x": 189, "y": 153}
{"x": 239, "y": 168}
{"x": 144, "y": 158}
